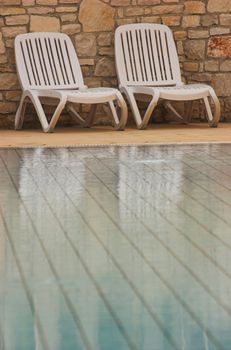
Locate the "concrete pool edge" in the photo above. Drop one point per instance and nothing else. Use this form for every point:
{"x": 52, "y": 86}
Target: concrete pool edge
{"x": 89, "y": 145}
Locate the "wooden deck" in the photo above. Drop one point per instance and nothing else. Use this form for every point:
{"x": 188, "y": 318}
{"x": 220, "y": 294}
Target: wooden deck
{"x": 155, "y": 134}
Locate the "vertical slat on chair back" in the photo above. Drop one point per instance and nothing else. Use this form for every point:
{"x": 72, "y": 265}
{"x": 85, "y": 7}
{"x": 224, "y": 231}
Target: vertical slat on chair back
{"x": 47, "y": 60}
{"x": 146, "y": 55}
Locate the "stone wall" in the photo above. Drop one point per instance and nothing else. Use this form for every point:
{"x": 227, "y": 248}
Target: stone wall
{"x": 201, "y": 29}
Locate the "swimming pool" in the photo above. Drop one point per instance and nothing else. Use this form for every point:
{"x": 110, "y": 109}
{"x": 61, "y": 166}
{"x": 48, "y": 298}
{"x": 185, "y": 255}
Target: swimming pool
{"x": 113, "y": 248}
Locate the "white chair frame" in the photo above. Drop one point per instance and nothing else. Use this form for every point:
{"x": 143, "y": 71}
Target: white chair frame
{"x": 147, "y": 64}
{"x": 48, "y": 69}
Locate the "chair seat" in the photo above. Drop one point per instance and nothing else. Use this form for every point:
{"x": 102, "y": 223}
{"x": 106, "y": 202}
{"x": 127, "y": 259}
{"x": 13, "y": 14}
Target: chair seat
{"x": 92, "y": 95}
{"x": 191, "y": 91}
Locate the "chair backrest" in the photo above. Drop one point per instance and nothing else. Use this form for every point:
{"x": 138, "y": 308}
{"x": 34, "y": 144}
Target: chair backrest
{"x": 47, "y": 61}
{"x": 146, "y": 55}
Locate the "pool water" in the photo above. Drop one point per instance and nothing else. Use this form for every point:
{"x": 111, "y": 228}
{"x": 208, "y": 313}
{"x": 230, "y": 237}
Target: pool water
{"x": 114, "y": 248}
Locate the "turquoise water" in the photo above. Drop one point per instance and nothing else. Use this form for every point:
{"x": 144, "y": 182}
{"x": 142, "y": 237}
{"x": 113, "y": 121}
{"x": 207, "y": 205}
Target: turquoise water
{"x": 114, "y": 248}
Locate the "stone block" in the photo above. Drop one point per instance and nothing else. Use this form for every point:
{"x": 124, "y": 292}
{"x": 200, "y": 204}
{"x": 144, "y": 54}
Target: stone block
{"x": 69, "y": 1}
{"x": 10, "y": 2}
{"x": 47, "y": 2}
{"x": 65, "y": 9}
{"x": 11, "y": 32}
{"x": 69, "y": 17}
{"x": 171, "y": 21}
{"x": 191, "y": 66}
{"x": 120, "y": 2}
{"x": 17, "y": 20}
{"x": 7, "y": 11}
{"x": 180, "y": 48}
{"x": 40, "y": 10}
{"x": 151, "y": 19}
{"x": 13, "y": 95}
{"x": 202, "y": 77}
{"x": 194, "y": 7}
{"x": 148, "y": 2}
{"x": 219, "y": 6}
{"x": 190, "y": 21}
{"x": 3, "y": 59}
{"x": 123, "y": 21}
{"x": 44, "y": 24}
{"x": 2, "y": 45}
{"x": 71, "y": 29}
{"x": 28, "y": 2}
{"x": 209, "y": 20}
{"x": 222, "y": 84}
{"x": 219, "y": 31}
{"x": 219, "y": 47}
{"x": 96, "y": 16}
{"x": 92, "y": 81}
{"x": 226, "y": 66}
{"x": 86, "y": 61}
{"x": 225, "y": 19}
{"x": 198, "y": 34}
{"x": 106, "y": 51}
{"x": 133, "y": 11}
{"x": 105, "y": 67}
{"x": 8, "y": 107}
{"x": 211, "y": 66}
{"x": 147, "y": 11}
{"x": 104, "y": 39}
{"x": 8, "y": 81}
{"x": 86, "y": 44}
{"x": 194, "y": 49}
{"x": 180, "y": 35}
{"x": 163, "y": 9}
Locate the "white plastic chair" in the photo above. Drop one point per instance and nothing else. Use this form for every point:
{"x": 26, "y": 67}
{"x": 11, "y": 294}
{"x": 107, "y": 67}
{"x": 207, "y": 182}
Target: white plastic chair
{"x": 48, "y": 67}
{"x": 147, "y": 64}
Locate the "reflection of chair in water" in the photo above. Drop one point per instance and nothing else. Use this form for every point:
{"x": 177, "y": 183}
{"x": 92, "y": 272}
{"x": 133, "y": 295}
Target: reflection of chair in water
{"x": 49, "y": 70}
{"x": 147, "y": 64}
{"x": 141, "y": 185}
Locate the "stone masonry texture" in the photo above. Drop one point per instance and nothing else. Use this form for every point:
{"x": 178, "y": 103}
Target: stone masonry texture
{"x": 202, "y": 31}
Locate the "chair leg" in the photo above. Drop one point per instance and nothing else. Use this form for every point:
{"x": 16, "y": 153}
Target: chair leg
{"x": 73, "y": 112}
{"x": 56, "y": 114}
{"x": 120, "y": 122}
{"x": 188, "y": 111}
{"x": 114, "y": 112}
{"x": 134, "y": 108}
{"x": 141, "y": 123}
{"x": 169, "y": 106}
{"x": 217, "y": 109}
{"x": 91, "y": 116}
{"x": 20, "y": 114}
{"x": 212, "y": 119}
{"x": 120, "y": 112}
{"x": 149, "y": 111}
{"x": 48, "y": 127}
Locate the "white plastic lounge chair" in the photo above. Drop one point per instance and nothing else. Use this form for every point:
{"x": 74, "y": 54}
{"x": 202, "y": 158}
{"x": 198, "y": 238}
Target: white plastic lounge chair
{"x": 147, "y": 64}
{"x": 48, "y": 67}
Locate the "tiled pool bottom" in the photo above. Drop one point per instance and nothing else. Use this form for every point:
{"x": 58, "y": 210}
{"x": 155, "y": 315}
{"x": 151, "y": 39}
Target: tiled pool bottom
{"x": 113, "y": 248}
